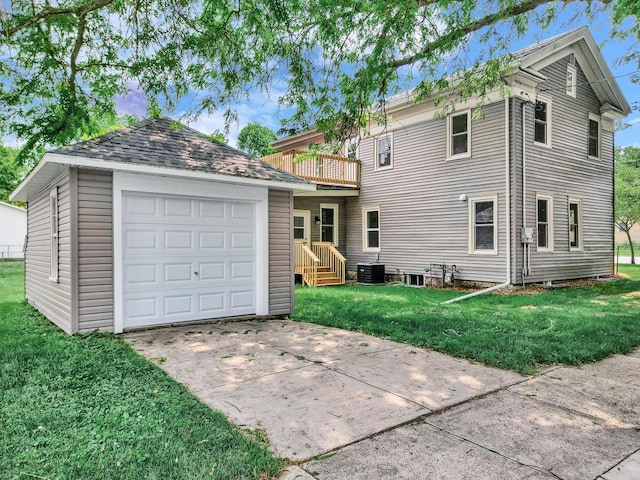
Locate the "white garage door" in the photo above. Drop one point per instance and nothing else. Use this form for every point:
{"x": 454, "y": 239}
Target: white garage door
{"x": 187, "y": 258}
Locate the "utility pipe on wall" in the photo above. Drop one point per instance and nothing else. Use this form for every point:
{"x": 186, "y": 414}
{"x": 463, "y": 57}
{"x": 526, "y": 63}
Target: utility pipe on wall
{"x": 507, "y": 214}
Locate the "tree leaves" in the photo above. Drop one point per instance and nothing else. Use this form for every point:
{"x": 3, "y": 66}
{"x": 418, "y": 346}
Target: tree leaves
{"x": 328, "y": 61}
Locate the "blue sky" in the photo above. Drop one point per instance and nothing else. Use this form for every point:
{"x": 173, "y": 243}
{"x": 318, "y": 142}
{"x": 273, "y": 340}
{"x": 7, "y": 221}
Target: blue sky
{"x": 263, "y": 108}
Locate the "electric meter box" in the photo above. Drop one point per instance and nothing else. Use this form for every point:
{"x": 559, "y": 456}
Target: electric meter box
{"x": 526, "y": 235}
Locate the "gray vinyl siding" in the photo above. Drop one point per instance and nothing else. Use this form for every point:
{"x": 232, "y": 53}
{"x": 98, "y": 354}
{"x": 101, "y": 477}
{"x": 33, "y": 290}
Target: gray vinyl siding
{"x": 95, "y": 250}
{"x": 280, "y": 252}
{"x": 422, "y": 220}
{"x": 565, "y": 171}
{"x": 313, "y": 205}
{"x": 52, "y": 299}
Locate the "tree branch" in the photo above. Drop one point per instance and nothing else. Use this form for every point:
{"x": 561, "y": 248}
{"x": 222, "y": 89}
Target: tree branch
{"x": 52, "y": 12}
{"x": 459, "y": 33}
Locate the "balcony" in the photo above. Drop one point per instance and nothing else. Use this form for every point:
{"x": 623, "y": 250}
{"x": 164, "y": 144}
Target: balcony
{"x": 318, "y": 167}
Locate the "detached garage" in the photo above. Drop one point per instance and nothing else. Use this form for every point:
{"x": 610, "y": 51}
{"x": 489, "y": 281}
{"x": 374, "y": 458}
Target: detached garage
{"x": 155, "y": 224}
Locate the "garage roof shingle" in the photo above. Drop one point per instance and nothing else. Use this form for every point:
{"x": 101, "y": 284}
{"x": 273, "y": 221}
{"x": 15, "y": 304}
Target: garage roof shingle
{"x": 163, "y": 142}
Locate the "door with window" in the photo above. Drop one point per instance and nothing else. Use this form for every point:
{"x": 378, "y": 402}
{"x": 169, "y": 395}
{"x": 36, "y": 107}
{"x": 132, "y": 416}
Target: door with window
{"x": 301, "y": 226}
{"x": 329, "y": 223}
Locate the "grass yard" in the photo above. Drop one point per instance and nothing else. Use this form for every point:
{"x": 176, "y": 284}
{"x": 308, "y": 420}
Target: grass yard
{"x": 91, "y": 408}
{"x": 521, "y": 332}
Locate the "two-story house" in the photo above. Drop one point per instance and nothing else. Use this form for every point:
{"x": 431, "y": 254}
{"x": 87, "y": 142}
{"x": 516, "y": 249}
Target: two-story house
{"x": 519, "y": 191}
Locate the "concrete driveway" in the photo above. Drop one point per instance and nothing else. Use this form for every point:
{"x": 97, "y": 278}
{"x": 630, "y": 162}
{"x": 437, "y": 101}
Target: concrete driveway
{"x": 378, "y": 409}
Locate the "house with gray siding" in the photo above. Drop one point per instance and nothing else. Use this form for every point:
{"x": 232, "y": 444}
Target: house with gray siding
{"x": 155, "y": 224}
{"x": 517, "y": 191}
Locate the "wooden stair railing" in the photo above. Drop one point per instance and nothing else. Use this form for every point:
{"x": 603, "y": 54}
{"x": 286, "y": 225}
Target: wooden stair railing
{"x": 333, "y": 264}
{"x": 307, "y": 264}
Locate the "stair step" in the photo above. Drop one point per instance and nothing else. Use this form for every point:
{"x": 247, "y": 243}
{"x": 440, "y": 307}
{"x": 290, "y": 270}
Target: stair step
{"x": 324, "y": 269}
{"x": 329, "y": 281}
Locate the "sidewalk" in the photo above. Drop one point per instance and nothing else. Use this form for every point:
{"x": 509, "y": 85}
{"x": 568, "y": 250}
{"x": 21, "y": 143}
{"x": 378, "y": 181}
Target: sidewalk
{"x": 569, "y": 423}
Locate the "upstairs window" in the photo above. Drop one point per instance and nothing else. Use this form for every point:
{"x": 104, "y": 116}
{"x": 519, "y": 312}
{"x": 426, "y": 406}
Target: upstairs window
{"x": 384, "y": 157}
{"x": 351, "y": 148}
{"x": 542, "y": 122}
{"x": 53, "y": 235}
{"x": 594, "y": 136}
{"x": 572, "y": 76}
{"x": 459, "y": 135}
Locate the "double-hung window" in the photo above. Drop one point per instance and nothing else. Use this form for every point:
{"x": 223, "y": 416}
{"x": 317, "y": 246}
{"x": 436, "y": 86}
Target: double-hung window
{"x": 371, "y": 229}
{"x": 575, "y": 224}
{"x": 351, "y": 148}
{"x": 594, "y": 136}
{"x": 53, "y": 235}
{"x": 483, "y": 228}
{"x": 384, "y": 152}
{"x": 542, "y": 123}
{"x": 544, "y": 221}
{"x": 459, "y": 135}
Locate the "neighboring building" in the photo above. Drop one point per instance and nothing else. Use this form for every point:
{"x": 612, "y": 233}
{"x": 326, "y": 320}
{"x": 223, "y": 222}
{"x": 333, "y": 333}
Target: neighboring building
{"x": 520, "y": 191}
{"x": 13, "y": 231}
{"x": 153, "y": 224}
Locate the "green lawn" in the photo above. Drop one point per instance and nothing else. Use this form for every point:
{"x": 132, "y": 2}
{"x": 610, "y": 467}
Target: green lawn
{"x": 519, "y": 332}
{"x": 91, "y": 408}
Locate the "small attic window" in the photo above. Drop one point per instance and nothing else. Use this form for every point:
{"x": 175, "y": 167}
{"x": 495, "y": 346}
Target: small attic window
{"x": 572, "y": 78}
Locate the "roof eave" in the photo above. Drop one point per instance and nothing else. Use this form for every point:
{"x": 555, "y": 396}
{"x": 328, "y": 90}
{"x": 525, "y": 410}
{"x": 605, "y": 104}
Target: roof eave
{"x": 22, "y": 192}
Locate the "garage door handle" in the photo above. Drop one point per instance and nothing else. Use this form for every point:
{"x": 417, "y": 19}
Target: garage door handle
{"x": 196, "y": 273}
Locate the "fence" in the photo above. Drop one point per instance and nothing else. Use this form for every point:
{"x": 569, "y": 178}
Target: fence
{"x": 11, "y": 252}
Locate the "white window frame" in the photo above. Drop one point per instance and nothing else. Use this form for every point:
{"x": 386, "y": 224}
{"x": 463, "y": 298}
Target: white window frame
{"x": 550, "y": 244}
{"x": 388, "y": 135}
{"x": 571, "y": 88}
{"x": 594, "y": 118}
{"x": 306, "y": 214}
{"x": 334, "y": 207}
{"x": 549, "y": 124}
{"x": 580, "y": 245}
{"x": 54, "y": 235}
{"x": 347, "y": 147}
{"x": 416, "y": 277}
{"x": 449, "y": 130}
{"x": 365, "y": 229}
{"x": 472, "y": 225}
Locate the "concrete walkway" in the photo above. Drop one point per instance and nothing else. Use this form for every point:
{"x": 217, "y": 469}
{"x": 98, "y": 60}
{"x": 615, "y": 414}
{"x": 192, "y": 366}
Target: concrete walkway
{"x": 367, "y": 408}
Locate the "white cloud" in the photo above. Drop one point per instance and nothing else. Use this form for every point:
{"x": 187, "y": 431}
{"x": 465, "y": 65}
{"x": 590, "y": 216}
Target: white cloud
{"x": 134, "y": 102}
{"x": 634, "y": 121}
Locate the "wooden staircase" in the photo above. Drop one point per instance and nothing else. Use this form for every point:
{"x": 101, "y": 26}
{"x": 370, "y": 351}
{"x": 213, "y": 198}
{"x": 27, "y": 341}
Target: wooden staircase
{"x": 327, "y": 277}
{"x": 321, "y": 265}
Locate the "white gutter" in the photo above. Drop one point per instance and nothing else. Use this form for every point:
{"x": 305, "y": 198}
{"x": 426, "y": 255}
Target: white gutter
{"x": 507, "y": 214}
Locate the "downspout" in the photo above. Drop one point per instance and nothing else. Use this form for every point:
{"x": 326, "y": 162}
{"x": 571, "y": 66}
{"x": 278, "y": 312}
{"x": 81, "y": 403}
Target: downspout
{"x": 507, "y": 214}
{"x": 526, "y": 260}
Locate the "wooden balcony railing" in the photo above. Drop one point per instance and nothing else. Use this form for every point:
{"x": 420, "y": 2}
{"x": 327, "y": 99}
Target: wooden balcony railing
{"x": 318, "y": 167}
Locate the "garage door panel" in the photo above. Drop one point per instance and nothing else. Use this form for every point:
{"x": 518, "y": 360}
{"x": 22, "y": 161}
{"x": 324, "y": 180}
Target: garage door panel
{"x": 178, "y": 240}
{"x": 187, "y": 259}
{"x": 144, "y": 206}
{"x": 178, "y": 208}
{"x": 211, "y": 209}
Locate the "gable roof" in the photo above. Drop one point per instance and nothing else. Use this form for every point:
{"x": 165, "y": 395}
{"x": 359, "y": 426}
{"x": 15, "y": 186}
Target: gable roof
{"x": 163, "y": 146}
